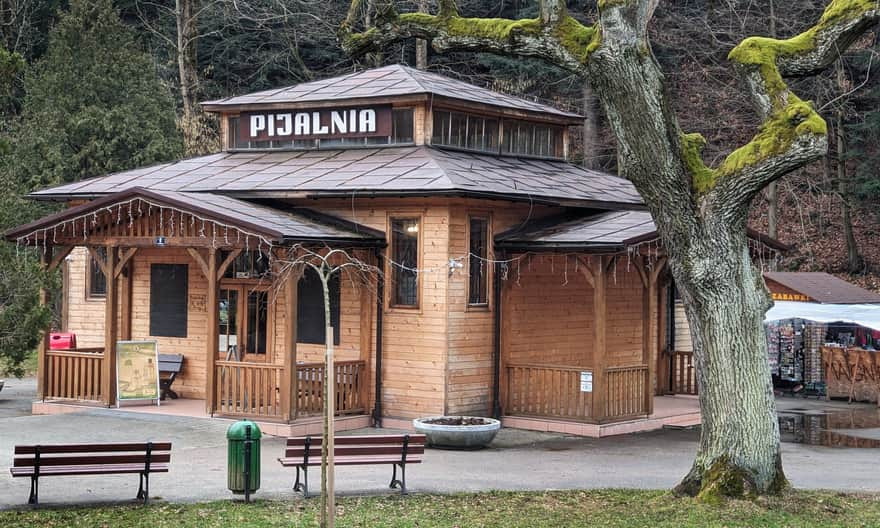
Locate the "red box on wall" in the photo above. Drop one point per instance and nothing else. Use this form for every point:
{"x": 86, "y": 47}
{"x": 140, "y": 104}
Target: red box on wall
{"x": 62, "y": 341}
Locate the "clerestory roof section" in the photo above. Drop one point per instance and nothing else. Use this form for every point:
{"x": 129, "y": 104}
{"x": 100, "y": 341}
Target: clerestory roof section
{"x": 388, "y": 81}
{"x": 389, "y": 171}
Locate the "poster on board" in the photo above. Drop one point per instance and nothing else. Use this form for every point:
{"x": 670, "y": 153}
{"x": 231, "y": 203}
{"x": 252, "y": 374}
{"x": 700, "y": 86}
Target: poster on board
{"x": 137, "y": 371}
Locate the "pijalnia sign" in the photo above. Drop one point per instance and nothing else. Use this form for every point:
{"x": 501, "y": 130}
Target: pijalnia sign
{"x": 316, "y": 124}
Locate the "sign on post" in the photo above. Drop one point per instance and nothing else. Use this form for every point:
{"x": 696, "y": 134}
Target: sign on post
{"x": 586, "y": 381}
{"x": 137, "y": 371}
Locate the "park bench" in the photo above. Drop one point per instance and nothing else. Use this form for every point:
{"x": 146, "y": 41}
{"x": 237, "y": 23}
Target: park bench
{"x": 395, "y": 450}
{"x": 36, "y": 461}
{"x": 170, "y": 366}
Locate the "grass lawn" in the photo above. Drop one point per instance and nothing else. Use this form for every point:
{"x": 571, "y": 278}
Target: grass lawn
{"x": 622, "y": 508}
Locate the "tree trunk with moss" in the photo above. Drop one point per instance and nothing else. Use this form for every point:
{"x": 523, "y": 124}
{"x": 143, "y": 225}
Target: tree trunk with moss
{"x": 700, "y": 211}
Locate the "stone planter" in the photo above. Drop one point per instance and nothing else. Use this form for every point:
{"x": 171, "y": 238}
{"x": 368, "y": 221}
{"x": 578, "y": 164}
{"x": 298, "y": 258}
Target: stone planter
{"x": 457, "y": 432}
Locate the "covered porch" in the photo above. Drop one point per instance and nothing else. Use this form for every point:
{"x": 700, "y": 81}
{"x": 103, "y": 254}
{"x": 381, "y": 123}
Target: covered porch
{"x": 204, "y": 275}
{"x": 581, "y": 314}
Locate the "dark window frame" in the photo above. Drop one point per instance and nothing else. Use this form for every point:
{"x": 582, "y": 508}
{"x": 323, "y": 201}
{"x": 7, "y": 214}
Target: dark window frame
{"x": 479, "y": 267}
{"x": 316, "y": 335}
{"x": 93, "y": 272}
{"x": 173, "y": 323}
{"x": 396, "y": 272}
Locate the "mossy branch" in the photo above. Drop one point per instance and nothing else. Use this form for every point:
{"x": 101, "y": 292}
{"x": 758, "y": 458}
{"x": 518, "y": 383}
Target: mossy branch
{"x": 792, "y": 133}
{"x": 554, "y": 36}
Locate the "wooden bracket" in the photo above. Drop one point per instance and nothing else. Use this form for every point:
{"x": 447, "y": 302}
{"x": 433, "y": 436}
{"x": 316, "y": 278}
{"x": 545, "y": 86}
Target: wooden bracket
{"x": 584, "y": 268}
{"x": 640, "y": 267}
{"x": 59, "y": 257}
{"x": 227, "y": 262}
{"x": 123, "y": 260}
{"x": 200, "y": 260}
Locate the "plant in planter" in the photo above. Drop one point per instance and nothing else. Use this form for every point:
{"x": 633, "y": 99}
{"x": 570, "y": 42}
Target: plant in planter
{"x": 460, "y": 432}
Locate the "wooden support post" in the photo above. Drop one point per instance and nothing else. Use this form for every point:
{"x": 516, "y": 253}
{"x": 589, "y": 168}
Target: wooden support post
{"x": 366, "y": 346}
{"x": 212, "y": 343}
{"x": 600, "y": 322}
{"x": 44, "y": 342}
{"x": 649, "y": 322}
{"x": 111, "y": 326}
{"x": 290, "y": 380}
{"x": 125, "y": 288}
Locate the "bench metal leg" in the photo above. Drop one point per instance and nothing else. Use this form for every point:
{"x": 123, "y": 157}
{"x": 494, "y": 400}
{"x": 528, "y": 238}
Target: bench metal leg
{"x": 401, "y": 483}
{"x": 304, "y": 485}
{"x": 144, "y": 488}
{"x": 34, "y": 498}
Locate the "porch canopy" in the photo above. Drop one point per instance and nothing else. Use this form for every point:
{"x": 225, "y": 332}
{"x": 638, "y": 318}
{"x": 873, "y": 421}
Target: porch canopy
{"x": 214, "y": 229}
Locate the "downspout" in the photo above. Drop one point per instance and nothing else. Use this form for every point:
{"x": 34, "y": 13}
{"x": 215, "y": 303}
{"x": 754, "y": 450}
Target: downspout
{"x": 380, "y": 295}
{"x": 496, "y": 320}
{"x": 670, "y": 329}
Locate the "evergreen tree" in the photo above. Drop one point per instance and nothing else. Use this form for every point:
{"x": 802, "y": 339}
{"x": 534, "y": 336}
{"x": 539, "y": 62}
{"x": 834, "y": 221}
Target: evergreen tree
{"x": 93, "y": 104}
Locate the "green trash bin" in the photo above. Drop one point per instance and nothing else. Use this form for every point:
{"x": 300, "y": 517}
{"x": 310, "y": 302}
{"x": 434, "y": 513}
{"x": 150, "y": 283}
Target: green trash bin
{"x": 243, "y": 438}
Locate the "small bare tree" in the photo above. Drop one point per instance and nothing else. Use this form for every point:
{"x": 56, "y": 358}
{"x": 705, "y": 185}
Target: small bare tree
{"x": 327, "y": 262}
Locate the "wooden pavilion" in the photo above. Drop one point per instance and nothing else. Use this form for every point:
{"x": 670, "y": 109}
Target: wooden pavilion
{"x": 511, "y": 282}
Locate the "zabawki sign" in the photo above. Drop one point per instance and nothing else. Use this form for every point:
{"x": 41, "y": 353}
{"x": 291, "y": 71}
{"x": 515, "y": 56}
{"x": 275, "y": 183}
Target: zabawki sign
{"x": 327, "y": 123}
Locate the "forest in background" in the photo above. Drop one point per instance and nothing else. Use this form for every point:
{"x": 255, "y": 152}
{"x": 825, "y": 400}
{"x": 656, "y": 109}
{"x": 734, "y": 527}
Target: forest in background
{"x": 89, "y": 87}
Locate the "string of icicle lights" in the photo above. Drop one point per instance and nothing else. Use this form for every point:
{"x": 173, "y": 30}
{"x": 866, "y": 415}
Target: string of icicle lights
{"x": 136, "y": 208}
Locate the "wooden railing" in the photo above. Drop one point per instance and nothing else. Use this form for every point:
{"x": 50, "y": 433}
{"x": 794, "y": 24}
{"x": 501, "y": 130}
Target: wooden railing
{"x": 547, "y": 391}
{"x": 684, "y": 375}
{"x": 249, "y": 389}
{"x": 351, "y": 381}
{"x": 626, "y": 392}
{"x": 74, "y": 374}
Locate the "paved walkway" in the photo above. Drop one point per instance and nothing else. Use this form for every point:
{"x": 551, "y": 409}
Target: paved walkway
{"x": 518, "y": 460}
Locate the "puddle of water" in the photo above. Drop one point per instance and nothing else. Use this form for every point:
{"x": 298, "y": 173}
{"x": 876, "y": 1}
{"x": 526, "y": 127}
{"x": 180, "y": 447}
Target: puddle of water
{"x": 816, "y": 426}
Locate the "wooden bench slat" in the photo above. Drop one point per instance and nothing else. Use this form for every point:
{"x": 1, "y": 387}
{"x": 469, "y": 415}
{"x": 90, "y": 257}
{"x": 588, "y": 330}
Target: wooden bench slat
{"x": 88, "y": 470}
{"x": 350, "y": 461}
{"x": 356, "y": 450}
{"x": 90, "y": 448}
{"x": 360, "y": 440}
{"x": 92, "y": 460}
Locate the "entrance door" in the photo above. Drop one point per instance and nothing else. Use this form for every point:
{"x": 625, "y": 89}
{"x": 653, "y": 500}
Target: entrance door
{"x": 244, "y": 322}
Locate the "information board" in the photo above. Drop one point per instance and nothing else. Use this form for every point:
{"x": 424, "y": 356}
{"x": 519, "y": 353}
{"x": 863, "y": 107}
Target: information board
{"x": 586, "y": 381}
{"x": 137, "y": 370}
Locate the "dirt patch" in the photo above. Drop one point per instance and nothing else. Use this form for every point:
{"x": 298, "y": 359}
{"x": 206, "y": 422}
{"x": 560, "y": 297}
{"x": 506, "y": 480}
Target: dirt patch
{"x": 457, "y": 420}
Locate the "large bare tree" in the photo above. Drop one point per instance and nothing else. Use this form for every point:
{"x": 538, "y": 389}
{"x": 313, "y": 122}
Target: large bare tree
{"x": 700, "y": 211}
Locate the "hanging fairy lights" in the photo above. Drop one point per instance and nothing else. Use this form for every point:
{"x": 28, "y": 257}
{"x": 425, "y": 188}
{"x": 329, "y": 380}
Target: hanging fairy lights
{"x": 171, "y": 219}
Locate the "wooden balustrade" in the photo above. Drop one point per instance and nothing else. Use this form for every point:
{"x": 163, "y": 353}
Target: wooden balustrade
{"x": 547, "y": 391}
{"x": 248, "y": 389}
{"x": 684, "y": 374}
{"x": 626, "y": 391}
{"x": 350, "y": 383}
{"x": 74, "y": 374}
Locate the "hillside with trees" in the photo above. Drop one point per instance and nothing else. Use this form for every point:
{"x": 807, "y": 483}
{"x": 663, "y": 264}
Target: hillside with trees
{"x": 91, "y": 86}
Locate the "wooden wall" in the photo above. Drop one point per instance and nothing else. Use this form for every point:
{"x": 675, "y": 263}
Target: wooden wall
{"x": 683, "y": 341}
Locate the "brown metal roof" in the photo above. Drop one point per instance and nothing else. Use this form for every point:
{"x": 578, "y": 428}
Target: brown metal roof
{"x": 610, "y": 230}
{"x": 290, "y": 225}
{"x": 387, "y": 81}
{"x": 392, "y": 171}
{"x": 605, "y": 231}
{"x": 823, "y": 287}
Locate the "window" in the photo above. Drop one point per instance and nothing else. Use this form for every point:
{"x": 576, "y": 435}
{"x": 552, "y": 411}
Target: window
{"x": 402, "y": 133}
{"x": 405, "y": 257}
{"x": 168, "y": 299}
{"x": 478, "y": 272}
{"x": 466, "y": 131}
{"x": 532, "y": 139}
{"x": 247, "y": 265}
{"x": 96, "y": 280}
{"x": 310, "y": 326}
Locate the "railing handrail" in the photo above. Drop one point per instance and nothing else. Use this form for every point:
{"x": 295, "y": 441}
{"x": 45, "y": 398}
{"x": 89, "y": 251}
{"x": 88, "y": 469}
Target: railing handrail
{"x": 75, "y": 353}
{"x": 249, "y": 364}
{"x": 548, "y": 367}
{"x": 335, "y": 363}
{"x": 629, "y": 367}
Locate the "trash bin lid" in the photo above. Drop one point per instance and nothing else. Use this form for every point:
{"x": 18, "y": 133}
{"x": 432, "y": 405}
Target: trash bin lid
{"x": 238, "y": 430}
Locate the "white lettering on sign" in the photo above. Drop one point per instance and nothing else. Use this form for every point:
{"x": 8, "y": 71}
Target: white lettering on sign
{"x": 353, "y": 121}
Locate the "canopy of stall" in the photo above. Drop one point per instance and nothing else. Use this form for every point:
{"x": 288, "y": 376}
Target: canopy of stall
{"x": 867, "y": 315}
